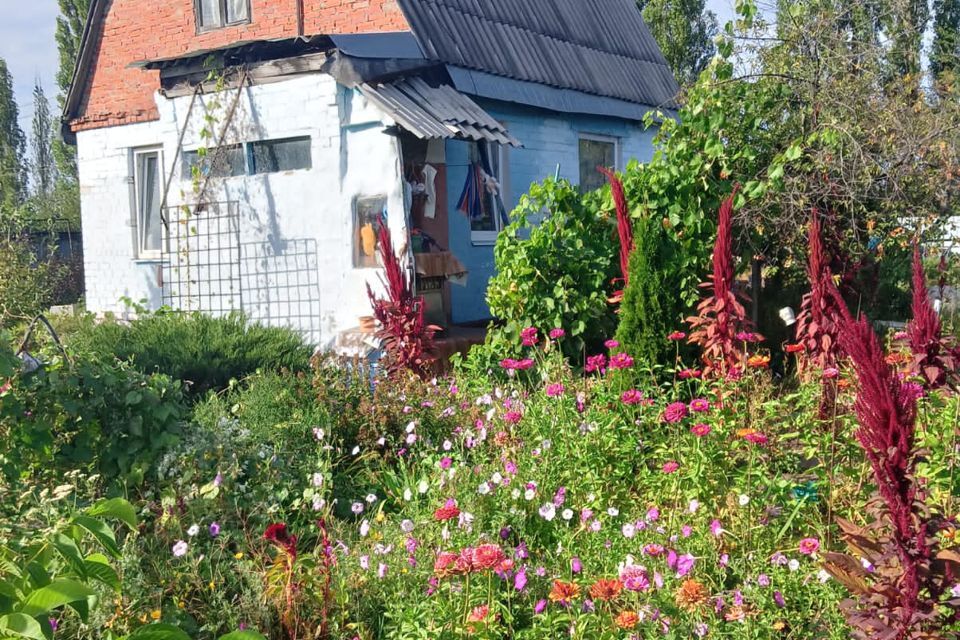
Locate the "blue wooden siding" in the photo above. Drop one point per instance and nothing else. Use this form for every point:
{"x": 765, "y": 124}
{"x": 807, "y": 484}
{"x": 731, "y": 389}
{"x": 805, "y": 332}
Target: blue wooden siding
{"x": 549, "y": 139}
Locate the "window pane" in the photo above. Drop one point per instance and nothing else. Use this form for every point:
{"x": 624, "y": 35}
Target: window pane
{"x": 271, "y": 156}
{"x": 225, "y": 162}
{"x": 238, "y": 11}
{"x": 593, "y": 154}
{"x": 485, "y": 217}
{"x": 366, "y": 243}
{"x": 210, "y": 14}
{"x": 148, "y": 201}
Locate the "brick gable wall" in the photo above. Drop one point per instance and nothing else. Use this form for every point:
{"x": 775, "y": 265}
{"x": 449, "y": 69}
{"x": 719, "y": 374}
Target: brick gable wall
{"x": 132, "y": 31}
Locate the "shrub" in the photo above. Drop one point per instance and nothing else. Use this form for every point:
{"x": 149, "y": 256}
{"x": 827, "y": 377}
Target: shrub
{"x": 25, "y": 284}
{"x": 204, "y": 352}
{"x": 557, "y": 273}
{"x": 649, "y": 311}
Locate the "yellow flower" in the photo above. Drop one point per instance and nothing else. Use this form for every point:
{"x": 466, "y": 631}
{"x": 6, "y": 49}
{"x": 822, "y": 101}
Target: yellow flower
{"x": 238, "y": 555}
{"x": 211, "y": 585}
{"x": 155, "y": 614}
{"x": 380, "y": 517}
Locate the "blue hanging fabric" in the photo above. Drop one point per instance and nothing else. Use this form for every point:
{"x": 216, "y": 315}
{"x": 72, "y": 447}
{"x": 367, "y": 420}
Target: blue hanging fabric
{"x": 484, "y": 151}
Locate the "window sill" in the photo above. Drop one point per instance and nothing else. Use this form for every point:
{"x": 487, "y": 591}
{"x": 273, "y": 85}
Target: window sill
{"x": 146, "y": 260}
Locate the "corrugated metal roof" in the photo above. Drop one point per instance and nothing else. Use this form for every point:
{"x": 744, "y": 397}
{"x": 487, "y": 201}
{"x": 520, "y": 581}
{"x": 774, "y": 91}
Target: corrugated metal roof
{"x": 436, "y": 111}
{"x": 601, "y": 47}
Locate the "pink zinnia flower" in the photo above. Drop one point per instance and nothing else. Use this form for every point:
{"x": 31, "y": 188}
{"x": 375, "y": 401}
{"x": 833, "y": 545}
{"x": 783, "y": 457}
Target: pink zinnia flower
{"x": 675, "y": 412}
{"x": 555, "y": 389}
{"x": 611, "y": 344}
{"x": 597, "y": 363}
{"x": 631, "y": 396}
{"x": 831, "y": 372}
{"x": 621, "y": 361}
{"x": 746, "y": 336}
{"x": 488, "y": 556}
{"x": 756, "y": 438}
{"x": 509, "y": 364}
{"x": 685, "y": 565}
{"x": 556, "y": 334}
{"x": 525, "y": 364}
{"x": 687, "y": 374}
{"x": 677, "y": 336}
{"x": 512, "y": 417}
{"x": 529, "y": 336}
{"x": 670, "y": 467}
{"x": 809, "y": 546}
{"x": 634, "y": 578}
{"x": 700, "y": 429}
{"x": 699, "y": 405}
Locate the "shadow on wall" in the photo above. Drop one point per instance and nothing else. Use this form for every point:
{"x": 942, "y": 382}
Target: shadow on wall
{"x": 281, "y": 284}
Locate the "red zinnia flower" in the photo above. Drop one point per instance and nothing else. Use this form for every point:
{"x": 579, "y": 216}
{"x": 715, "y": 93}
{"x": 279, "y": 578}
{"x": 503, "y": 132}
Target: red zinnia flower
{"x": 488, "y": 556}
{"x": 677, "y": 336}
{"x": 449, "y": 511}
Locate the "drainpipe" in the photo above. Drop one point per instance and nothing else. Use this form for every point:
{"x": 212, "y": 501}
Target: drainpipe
{"x": 300, "y": 19}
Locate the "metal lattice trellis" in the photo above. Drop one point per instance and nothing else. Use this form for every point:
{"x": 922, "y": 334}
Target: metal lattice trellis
{"x": 201, "y": 258}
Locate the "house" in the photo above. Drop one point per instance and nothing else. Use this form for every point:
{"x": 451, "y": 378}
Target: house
{"x": 237, "y": 154}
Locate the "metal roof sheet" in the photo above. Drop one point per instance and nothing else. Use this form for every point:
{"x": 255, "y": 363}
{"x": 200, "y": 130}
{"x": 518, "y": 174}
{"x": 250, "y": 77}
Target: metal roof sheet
{"x": 436, "y": 111}
{"x": 601, "y": 47}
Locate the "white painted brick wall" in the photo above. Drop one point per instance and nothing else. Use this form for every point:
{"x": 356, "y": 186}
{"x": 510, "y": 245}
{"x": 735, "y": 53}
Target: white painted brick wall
{"x": 278, "y": 211}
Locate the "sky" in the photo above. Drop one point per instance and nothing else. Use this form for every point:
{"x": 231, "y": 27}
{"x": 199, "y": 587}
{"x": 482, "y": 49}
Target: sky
{"x": 27, "y": 44}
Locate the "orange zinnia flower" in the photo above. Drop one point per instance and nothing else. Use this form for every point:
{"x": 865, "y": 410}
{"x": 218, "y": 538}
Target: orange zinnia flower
{"x": 605, "y": 590}
{"x": 627, "y": 619}
{"x": 795, "y": 348}
{"x": 691, "y": 594}
{"x": 758, "y": 362}
{"x": 564, "y": 592}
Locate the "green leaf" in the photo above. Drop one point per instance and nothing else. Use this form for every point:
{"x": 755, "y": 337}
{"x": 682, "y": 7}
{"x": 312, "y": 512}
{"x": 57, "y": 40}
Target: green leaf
{"x": 242, "y": 635}
{"x": 22, "y": 625}
{"x": 103, "y": 533}
{"x": 98, "y": 567}
{"x": 71, "y": 553}
{"x": 115, "y": 508}
{"x": 56, "y": 594}
{"x": 159, "y": 631}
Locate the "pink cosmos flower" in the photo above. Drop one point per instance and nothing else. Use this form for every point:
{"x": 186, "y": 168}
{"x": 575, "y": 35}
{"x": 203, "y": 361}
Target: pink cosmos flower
{"x": 596, "y": 364}
{"x": 631, "y": 396}
{"x": 809, "y": 546}
{"x": 529, "y": 336}
{"x": 670, "y": 467}
{"x": 700, "y": 429}
{"x": 675, "y": 412}
{"x": 556, "y": 334}
{"x": 555, "y": 389}
{"x": 699, "y": 405}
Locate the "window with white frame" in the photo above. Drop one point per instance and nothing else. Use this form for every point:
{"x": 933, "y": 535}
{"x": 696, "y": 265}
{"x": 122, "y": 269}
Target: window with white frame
{"x": 488, "y": 213}
{"x": 597, "y": 151}
{"x": 216, "y": 14}
{"x": 147, "y": 181}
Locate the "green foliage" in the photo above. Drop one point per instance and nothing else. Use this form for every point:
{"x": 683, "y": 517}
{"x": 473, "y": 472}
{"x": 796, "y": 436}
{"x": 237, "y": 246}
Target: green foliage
{"x": 89, "y": 413}
{"x": 204, "y": 352}
{"x": 945, "y": 56}
{"x": 26, "y": 285}
{"x": 556, "y": 272}
{"x": 65, "y": 568}
{"x": 13, "y": 181}
{"x": 648, "y": 313}
{"x": 685, "y": 30}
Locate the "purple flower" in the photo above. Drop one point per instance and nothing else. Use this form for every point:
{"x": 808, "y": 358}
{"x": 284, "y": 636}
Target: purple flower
{"x": 540, "y": 607}
{"x": 685, "y": 564}
{"x": 214, "y": 529}
{"x": 218, "y": 480}
{"x": 575, "y": 565}
{"x": 560, "y": 496}
{"x": 763, "y": 580}
{"x": 520, "y": 580}
{"x": 778, "y": 598}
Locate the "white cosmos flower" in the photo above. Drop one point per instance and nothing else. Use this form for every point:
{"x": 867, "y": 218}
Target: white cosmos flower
{"x": 193, "y": 530}
{"x": 744, "y": 500}
{"x": 515, "y": 494}
{"x": 548, "y": 511}
{"x": 317, "y": 480}
{"x": 567, "y": 514}
{"x": 693, "y": 506}
{"x": 423, "y": 487}
{"x": 406, "y": 526}
{"x": 793, "y": 565}
{"x": 484, "y": 488}
{"x": 628, "y": 530}
{"x": 411, "y": 427}
{"x": 613, "y": 512}
{"x": 364, "y": 529}
{"x": 529, "y": 494}
{"x": 496, "y": 478}
{"x": 407, "y": 494}
{"x": 447, "y": 445}
{"x": 371, "y": 498}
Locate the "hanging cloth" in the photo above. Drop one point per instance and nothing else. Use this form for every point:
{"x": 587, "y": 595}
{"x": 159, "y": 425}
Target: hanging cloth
{"x": 490, "y": 163}
{"x": 471, "y": 200}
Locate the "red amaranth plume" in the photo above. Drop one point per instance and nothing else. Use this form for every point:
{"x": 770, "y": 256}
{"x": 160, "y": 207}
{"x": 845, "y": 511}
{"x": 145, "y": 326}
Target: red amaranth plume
{"x": 406, "y": 338}
{"x": 932, "y": 358}
{"x": 720, "y": 316}
{"x": 886, "y": 409}
{"x": 624, "y": 222}
{"x": 817, "y": 327}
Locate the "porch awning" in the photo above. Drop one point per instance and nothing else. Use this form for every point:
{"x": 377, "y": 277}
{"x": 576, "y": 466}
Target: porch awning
{"x": 436, "y": 112}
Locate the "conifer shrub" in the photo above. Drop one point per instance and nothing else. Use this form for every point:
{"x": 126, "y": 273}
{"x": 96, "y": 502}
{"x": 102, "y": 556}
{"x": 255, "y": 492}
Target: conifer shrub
{"x": 650, "y": 308}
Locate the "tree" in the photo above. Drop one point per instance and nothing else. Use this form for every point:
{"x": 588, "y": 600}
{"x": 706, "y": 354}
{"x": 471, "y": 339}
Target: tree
{"x": 42, "y": 166}
{"x": 12, "y": 144}
{"x": 684, "y": 29}
{"x": 70, "y": 23}
{"x": 945, "y": 56}
{"x": 905, "y": 23}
